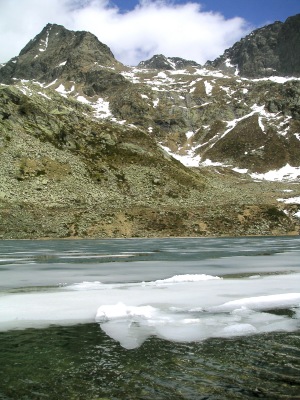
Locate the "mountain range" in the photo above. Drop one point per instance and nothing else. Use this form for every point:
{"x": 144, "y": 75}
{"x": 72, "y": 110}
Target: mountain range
{"x": 93, "y": 148}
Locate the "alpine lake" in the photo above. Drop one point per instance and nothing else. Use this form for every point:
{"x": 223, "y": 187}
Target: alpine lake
{"x": 174, "y": 318}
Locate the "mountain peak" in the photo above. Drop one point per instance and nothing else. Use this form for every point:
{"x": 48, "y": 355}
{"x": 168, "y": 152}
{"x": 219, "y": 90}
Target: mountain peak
{"x": 57, "y": 51}
{"x": 271, "y": 50}
{"x": 159, "y": 61}
{"x": 101, "y": 166}
{"x": 57, "y": 36}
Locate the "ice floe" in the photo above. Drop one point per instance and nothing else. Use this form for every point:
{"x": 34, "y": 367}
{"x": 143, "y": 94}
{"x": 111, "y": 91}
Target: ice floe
{"x": 186, "y": 278}
{"x": 120, "y": 310}
{"x": 260, "y": 303}
{"x": 187, "y": 307}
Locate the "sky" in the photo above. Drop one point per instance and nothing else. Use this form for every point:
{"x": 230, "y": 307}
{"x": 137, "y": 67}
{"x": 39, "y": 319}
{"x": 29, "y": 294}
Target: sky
{"x": 135, "y": 30}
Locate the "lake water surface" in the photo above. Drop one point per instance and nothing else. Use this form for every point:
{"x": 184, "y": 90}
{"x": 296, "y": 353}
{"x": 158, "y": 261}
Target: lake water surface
{"x": 150, "y": 318}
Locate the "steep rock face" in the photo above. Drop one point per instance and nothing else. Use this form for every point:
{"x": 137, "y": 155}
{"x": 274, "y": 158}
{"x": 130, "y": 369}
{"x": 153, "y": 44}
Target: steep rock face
{"x": 196, "y": 111}
{"x": 77, "y": 64}
{"x": 190, "y": 110}
{"x": 289, "y": 46}
{"x": 56, "y": 53}
{"x": 59, "y": 55}
{"x": 249, "y": 147}
{"x": 266, "y": 138}
{"x": 271, "y": 50}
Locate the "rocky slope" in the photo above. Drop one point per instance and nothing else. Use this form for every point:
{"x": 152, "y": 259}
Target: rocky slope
{"x": 268, "y": 51}
{"x": 161, "y": 62}
{"x": 87, "y": 145}
{"x": 57, "y": 53}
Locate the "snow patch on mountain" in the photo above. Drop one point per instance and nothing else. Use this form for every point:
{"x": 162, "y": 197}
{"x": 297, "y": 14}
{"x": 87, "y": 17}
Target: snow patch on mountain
{"x": 228, "y": 64}
{"x": 209, "y": 163}
{"x": 208, "y": 88}
{"x": 101, "y": 107}
{"x": 291, "y": 200}
{"x": 83, "y": 100}
{"x": 189, "y": 134}
{"x": 62, "y": 64}
{"x": 155, "y": 103}
{"x": 50, "y": 84}
{"x": 44, "y": 42}
{"x": 286, "y": 173}
{"x": 44, "y": 95}
{"x": 132, "y": 75}
{"x": 256, "y": 109}
{"x": 189, "y": 159}
{"x": 276, "y": 79}
{"x": 209, "y": 72}
{"x": 62, "y": 90}
{"x": 228, "y": 90}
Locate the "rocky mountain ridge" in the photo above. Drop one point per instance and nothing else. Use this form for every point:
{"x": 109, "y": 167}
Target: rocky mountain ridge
{"x": 57, "y": 53}
{"x": 271, "y": 50}
{"x": 88, "y": 145}
{"x": 159, "y": 61}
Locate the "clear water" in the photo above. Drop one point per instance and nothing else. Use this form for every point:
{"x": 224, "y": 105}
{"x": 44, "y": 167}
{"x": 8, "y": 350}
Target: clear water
{"x": 237, "y": 337}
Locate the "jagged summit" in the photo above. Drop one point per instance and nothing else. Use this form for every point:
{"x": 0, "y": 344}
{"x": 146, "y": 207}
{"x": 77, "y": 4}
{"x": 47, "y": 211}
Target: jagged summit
{"x": 86, "y": 143}
{"x": 199, "y": 113}
{"x": 162, "y": 62}
{"x": 57, "y": 52}
{"x": 268, "y": 51}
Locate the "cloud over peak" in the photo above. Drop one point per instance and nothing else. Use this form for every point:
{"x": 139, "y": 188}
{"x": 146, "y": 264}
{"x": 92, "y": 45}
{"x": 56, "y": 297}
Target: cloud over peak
{"x": 152, "y": 27}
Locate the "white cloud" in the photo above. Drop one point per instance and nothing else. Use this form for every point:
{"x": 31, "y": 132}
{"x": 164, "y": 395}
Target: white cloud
{"x": 153, "y": 27}
{"x": 20, "y": 21}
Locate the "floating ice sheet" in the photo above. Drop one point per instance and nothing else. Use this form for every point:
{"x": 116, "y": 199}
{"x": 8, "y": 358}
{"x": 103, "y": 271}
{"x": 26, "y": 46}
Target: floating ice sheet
{"x": 183, "y": 308}
{"x": 131, "y": 326}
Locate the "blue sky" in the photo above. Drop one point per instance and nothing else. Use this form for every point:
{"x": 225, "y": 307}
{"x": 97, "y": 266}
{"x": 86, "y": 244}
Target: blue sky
{"x": 257, "y": 12}
{"x": 135, "y": 30}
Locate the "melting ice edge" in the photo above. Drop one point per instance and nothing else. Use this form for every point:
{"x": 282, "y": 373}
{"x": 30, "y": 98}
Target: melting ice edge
{"x": 181, "y": 308}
